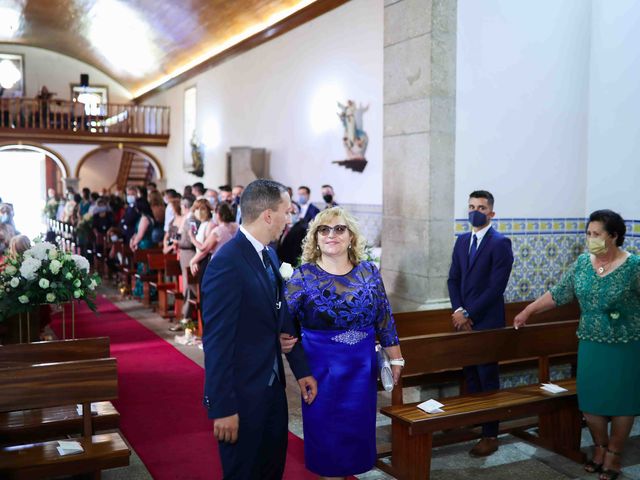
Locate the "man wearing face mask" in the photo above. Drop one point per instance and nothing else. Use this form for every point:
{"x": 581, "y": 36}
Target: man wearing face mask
{"x": 329, "y": 196}
{"x": 479, "y": 273}
{"x": 131, "y": 216}
{"x": 308, "y": 210}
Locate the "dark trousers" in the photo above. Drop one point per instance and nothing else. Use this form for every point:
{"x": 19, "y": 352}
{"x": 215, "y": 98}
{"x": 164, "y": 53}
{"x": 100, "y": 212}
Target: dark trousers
{"x": 483, "y": 378}
{"x": 261, "y": 449}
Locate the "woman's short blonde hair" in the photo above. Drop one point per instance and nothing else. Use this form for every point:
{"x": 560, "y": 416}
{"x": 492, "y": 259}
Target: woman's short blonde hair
{"x": 311, "y": 251}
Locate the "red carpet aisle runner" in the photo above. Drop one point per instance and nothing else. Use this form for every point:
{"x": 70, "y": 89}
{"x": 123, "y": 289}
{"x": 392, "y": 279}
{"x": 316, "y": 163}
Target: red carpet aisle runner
{"x": 160, "y": 399}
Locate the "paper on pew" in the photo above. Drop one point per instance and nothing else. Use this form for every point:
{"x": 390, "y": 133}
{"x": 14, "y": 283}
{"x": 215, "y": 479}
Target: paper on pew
{"x": 94, "y": 409}
{"x": 69, "y": 447}
{"x": 431, "y": 406}
{"x": 552, "y": 388}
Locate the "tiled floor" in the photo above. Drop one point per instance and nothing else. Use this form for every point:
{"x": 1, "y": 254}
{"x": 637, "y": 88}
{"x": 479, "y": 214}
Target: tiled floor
{"x": 514, "y": 460}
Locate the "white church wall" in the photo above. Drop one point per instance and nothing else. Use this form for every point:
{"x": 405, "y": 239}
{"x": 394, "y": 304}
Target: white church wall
{"x": 282, "y": 96}
{"x": 58, "y": 72}
{"x": 522, "y": 105}
{"x": 614, "y": 97}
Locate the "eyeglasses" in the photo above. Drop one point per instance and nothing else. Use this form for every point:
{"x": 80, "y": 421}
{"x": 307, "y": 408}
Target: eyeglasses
{"x": 325, "y": 230}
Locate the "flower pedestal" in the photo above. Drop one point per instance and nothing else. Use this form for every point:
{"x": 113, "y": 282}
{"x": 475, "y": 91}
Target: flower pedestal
{"x": 23, "y": 327}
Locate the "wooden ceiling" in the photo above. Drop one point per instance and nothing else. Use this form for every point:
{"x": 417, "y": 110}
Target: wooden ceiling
{"x": 148, "y": 45}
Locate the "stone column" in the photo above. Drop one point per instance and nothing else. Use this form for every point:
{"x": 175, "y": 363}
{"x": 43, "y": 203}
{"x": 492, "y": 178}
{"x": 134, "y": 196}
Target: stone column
{"x": 419, "y": 150}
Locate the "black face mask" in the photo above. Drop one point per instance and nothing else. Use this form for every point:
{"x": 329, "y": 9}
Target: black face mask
{"x": 328, "y": 198}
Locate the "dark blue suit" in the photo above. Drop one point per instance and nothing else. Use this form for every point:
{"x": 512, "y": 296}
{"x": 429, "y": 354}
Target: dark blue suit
{"x": 311, "y": 213}
{"x": 478, "y": 287}
{"x": 242, "y": 325}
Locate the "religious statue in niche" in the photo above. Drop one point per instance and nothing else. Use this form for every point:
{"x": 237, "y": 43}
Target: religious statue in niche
{"x": 355, "y": 139}
{"x": 196, "y": 156}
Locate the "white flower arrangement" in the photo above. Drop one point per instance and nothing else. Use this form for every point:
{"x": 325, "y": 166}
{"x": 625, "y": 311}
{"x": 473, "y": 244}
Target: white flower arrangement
{"x": 286, "y": 271}
{"x": 44, "y": 274}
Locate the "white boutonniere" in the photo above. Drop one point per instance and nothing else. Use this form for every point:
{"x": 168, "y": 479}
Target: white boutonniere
{"x": 286, "y": 271}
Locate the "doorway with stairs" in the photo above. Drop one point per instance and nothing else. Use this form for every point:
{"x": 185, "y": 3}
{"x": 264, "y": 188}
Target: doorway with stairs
{"x": 113, "y": 168}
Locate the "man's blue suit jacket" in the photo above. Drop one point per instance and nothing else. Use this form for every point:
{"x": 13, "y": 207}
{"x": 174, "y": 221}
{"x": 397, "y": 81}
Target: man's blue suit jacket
{"x": 479, "y": 287}
{"x": 242, "y": 326}
{"x": 312, "y": 211}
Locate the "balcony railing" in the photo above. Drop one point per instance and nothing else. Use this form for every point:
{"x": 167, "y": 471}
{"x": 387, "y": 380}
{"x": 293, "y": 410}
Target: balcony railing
{"x": 66, "y": 117}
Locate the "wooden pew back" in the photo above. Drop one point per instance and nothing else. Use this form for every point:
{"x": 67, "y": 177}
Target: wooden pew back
{"x": 427, "y": 322}
{"x": 433, "y": 353}
{"x": 55, "y": 351}
{"x": 57, "y": 384}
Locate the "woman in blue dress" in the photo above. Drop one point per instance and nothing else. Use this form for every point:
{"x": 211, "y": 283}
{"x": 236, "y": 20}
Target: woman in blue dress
{"x": 339, "y": 302}
{"x": 606, "y": 282}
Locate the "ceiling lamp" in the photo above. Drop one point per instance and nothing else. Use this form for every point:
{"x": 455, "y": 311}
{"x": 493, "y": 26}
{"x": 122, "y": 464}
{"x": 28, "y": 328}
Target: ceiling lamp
{"x": 9, "y": 74}
{"x": 9, "y": 21}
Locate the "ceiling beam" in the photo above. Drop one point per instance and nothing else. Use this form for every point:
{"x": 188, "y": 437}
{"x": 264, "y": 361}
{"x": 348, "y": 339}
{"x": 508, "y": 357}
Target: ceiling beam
{"x": 301, "y": 17}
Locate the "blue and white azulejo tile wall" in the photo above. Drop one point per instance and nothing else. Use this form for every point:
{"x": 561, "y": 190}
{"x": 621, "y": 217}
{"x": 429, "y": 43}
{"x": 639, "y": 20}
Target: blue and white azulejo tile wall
{"x": 543, "y": 248}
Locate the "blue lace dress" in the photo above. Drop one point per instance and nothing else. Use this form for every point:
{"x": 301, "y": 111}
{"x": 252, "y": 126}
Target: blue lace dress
{"x": 340, "y": 317}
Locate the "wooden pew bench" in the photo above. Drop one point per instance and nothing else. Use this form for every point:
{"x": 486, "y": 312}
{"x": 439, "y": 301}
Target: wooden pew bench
{"x": 413, "y": 430}
{"x": 51, "y": 422}
{"x": 429, "y": 322}
{"x": 168, "y": 271}
{"x": 55, "y": 385}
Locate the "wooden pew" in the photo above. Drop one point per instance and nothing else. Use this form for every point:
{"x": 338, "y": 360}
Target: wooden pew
{"x": 173, "y": 265}
{"x": 54, "y": 385}
{"x": 51, "y": 422}
{"x": 559, "y": 423}
{"x": 142, "y": 256}
{"x": 430, "y": 322}
{"x": 426, "y": 322}
{"x": 167, "y": 274}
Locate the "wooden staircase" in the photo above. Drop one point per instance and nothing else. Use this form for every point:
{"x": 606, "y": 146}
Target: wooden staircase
{"x": 134, "y": 171}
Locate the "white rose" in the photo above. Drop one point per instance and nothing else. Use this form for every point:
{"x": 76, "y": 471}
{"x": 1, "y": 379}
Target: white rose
{"x": 69, "y": 276}
{"x": 44, "y": 283}
{"x": 10, "y": 270}
{"x": 93, "y": 284}
{"x": 55, "y": 266}
{"x": 29, "y": 267}
{"x": 53, "y": 254}
{"x": 15, "y": 281}
{"x": 51, "y": 297}
{"x": 23, "y": 299}
{"x": 81, "y": 262}
{"x": 77, "y": 293}
{"x": 286, "y": 270}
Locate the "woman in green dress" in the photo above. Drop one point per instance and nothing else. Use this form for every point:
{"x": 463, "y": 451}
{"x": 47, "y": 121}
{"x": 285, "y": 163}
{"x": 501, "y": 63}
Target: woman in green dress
{"x": 606, "y": 282}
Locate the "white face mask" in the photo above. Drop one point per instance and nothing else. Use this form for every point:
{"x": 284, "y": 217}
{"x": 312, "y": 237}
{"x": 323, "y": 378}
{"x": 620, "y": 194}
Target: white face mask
{"x": 114, "y": 238}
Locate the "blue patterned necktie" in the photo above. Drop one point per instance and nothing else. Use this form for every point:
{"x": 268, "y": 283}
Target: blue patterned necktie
{"x": 269, "y": 268}
{"x": 474, "y": 248}
{"x": 274, "y": 284}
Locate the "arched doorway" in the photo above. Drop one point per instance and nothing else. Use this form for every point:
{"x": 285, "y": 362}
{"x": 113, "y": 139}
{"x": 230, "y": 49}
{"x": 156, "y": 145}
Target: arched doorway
{"x": 111, "y": 167}
{"x": 33, "y": 169}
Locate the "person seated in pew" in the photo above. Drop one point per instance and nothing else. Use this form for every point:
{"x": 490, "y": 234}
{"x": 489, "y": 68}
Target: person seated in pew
{"x": 480, "y": 269}
{"x": 221, "y": 234}
{"x": 339, "y": 302}
{"x": 606, "y": 282}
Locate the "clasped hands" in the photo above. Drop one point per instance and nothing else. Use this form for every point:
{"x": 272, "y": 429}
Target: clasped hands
{"x": 460, "y": 322}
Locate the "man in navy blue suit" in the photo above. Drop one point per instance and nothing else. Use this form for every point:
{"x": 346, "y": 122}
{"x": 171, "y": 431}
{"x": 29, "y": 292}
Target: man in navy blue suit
{"x": 480, "y": 269}
{"x": 244, "y": 312}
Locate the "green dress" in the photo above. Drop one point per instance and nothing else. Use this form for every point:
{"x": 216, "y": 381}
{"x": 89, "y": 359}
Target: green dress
{"x": 609, "y": 335}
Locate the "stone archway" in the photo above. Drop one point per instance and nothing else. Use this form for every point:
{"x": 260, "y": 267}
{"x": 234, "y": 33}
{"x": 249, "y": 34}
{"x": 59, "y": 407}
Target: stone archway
{"x": 147, "y": 155}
